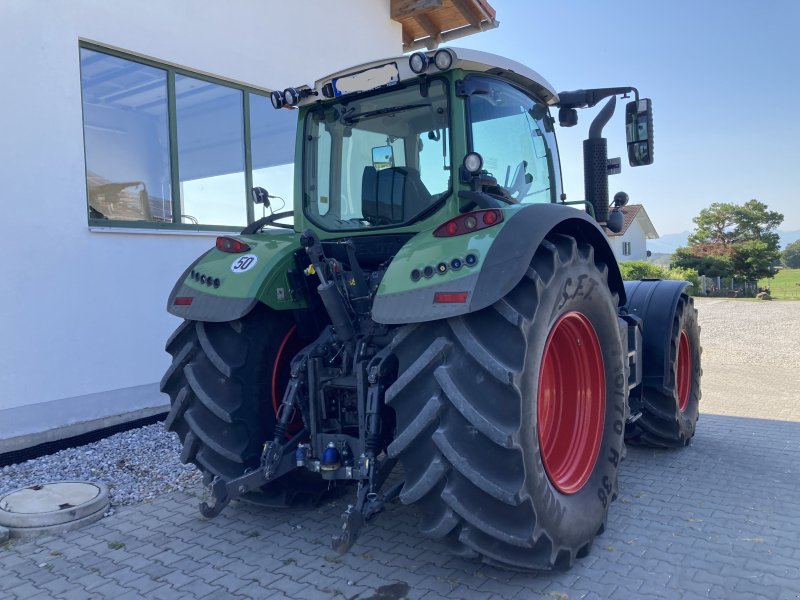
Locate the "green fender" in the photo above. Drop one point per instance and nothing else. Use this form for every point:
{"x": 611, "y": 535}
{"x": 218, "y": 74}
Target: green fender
{"x": 258, "y": 275}
{"x": 503, "y": 253}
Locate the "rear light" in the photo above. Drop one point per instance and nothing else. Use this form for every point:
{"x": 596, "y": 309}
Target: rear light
{"x": 450, "y": 297}
{"x": 229, "y": 244}
{"x": 183, "y": 300}
{"x": 474, "y": 221}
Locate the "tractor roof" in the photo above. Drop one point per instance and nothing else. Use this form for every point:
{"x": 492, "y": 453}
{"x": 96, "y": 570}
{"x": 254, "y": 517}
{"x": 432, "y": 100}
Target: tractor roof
{"x": 398, "y": 69}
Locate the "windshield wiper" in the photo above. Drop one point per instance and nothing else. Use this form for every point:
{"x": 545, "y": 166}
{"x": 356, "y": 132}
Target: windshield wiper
{"x": 348, "y": 118}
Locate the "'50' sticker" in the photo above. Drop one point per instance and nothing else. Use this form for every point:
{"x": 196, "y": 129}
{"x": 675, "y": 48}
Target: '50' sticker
{"x": 244, "y": 263}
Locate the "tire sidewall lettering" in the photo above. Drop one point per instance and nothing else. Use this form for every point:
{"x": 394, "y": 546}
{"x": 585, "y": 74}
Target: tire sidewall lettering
{"x": 580, "y": 289}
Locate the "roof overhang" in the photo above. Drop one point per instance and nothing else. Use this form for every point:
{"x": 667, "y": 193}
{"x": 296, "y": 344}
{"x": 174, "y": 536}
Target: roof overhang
{"x": 428, "y": 23}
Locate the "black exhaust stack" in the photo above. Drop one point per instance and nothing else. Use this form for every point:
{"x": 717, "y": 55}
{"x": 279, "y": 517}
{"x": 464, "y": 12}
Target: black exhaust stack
{"x": 595, "y": 163}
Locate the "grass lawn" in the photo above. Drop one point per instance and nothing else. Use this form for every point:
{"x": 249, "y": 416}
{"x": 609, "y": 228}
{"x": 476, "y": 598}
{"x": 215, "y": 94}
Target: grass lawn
{"x": 785, "y": 284}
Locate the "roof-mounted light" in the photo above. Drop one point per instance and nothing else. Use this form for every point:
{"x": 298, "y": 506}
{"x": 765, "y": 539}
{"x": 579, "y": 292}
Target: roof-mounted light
{"x": 443, "y": 59}
{"x": 277, "y": 99}
{"x": 418, "y": 62}
{"x": 292, "y": 96}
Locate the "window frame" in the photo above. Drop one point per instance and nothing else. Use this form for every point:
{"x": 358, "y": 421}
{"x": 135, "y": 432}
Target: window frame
{"x": 554, "y": 165}
{"x": 175, "y": 182}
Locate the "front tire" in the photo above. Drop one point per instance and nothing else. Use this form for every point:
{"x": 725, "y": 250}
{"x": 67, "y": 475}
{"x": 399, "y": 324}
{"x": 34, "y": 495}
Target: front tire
{"x": 510, "y": 420}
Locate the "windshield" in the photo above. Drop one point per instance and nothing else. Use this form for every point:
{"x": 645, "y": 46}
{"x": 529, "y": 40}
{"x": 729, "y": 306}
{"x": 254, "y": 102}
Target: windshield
{"x": 379, "y": 160}
{"x": 514, "y": 135}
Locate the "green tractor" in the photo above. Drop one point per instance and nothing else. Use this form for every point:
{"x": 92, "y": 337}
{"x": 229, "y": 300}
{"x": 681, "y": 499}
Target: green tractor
{"x": 436, "y": 303}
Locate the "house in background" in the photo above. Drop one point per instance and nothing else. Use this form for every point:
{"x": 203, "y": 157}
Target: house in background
{"x": 631, "y": 242}
{"x": 143, "y": 124}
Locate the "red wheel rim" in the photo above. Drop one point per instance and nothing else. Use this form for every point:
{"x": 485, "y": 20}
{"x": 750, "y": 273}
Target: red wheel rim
{"x": 571, "y": 402}
{"x": 684, "y": 371}
{"x": 290, "y": 345}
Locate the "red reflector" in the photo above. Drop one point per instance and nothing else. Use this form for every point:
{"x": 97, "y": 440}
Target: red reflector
{"x": 450, "y": 297}
{"x": 470, "y": 222}
{"x": 183, "y": 300}
{"x": 229, "y": 244}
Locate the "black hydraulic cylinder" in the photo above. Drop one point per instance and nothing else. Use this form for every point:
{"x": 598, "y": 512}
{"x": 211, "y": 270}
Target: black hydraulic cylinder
{"x": 334, "y": 304}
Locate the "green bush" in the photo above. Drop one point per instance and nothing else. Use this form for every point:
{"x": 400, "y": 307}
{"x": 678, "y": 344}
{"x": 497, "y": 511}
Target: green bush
{"x": 640, "y": 269}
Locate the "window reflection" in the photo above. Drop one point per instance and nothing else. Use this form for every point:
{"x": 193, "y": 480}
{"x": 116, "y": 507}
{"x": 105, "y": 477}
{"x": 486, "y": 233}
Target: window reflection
{"x": 272, "y": 146}
{"x": 210, "y": 152}
{"x": 126, "y": 135}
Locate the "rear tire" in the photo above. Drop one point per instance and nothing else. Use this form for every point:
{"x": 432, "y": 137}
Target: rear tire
{"x": 221, "y": 392}
{"x": 482, "y": 416}
{"x": 670, "y": 409}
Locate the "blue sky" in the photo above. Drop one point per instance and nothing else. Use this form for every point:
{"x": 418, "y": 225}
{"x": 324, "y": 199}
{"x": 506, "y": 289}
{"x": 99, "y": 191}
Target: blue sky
{"x": 724, "y": 77}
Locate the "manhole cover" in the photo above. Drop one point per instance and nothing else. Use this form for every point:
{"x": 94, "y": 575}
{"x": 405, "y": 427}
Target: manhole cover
{"x": 52, "y": 507}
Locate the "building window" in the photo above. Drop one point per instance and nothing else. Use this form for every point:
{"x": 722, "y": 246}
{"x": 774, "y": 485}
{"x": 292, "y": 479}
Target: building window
{"x": 626, "y": 248}
{"x": 168, "y": 148}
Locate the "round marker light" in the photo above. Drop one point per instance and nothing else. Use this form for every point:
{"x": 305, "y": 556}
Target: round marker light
{"x": 418, "y": 62}
{"x": 277, "y": 99}
{"x": 473, "y": 162}
{"x": 470, "y": 222}
{"x": 443, "y": 59}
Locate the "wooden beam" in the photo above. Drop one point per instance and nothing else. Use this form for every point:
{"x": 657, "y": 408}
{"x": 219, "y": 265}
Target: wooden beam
{"x": 402, "y": 9}
{"x": 466, "y": 8}
{"x": 431, "y": 29}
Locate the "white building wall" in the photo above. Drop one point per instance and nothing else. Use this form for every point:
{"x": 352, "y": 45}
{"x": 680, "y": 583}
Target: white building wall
{"x": 85, "y": 312}
{"x": 638, "y": 241}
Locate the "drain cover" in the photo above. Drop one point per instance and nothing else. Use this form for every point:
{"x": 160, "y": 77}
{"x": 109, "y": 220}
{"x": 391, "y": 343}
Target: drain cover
{"x": 52, "y": 507}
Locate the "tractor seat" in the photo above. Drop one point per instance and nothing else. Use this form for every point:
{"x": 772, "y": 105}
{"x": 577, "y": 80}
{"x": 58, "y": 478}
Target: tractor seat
{"x": 392, "y": 195}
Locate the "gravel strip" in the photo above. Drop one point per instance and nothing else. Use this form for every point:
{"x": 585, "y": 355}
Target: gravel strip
{"x": 136, "y": 465}
{"x": 748, "y": 333}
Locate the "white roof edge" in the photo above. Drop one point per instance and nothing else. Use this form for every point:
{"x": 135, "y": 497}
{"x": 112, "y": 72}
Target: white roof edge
{"x": 471, "y": 60}
{"x": 646, "y": 223}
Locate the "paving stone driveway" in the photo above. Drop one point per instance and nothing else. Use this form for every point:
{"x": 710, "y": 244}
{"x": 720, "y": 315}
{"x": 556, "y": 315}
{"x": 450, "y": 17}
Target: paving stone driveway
{"x": 719, "y": 519}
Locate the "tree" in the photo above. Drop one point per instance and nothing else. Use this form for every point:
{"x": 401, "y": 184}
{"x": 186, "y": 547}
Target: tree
{"x": 718, "y": 265}
{"x": 733, "y": 240}
{"x": 791, "y": 255}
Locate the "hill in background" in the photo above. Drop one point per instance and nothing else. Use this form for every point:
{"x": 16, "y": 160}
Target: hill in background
{"x": 668, "y": 243}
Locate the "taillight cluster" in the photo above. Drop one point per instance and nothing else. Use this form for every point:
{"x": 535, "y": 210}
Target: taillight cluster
{"x": 474, "y": 221}
{"x": 232, "y": 245}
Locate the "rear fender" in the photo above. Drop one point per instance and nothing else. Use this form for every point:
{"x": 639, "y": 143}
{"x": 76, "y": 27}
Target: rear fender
{"x": 258, "y": 275}
{"x": 503, "y": 254}
{"x": 655, "y": 302}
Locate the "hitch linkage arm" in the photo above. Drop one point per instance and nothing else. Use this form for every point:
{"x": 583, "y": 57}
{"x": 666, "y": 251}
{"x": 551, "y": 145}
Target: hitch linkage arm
{"x": 369, "y": 500}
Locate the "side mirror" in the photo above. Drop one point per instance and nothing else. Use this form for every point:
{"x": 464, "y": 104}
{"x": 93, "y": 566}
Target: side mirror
{"x": 259, "y": 196}
{"x": 639, "y": 132}
{"x": 382, "y": 157}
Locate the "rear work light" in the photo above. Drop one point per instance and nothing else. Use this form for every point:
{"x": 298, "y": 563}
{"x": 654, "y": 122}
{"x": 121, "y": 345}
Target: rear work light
{"x": 229, "y": 244}
{"x": 474, "y": 221}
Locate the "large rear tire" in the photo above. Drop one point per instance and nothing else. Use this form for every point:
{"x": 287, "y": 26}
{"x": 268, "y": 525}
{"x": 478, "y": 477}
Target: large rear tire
{"x": 510, "y": 420}
{"x": 223, "y": 384}
{"x": 669, "y": 410}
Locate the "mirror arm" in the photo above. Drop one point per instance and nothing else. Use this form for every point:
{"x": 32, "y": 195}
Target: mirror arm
{"x": 589, "y": 98}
